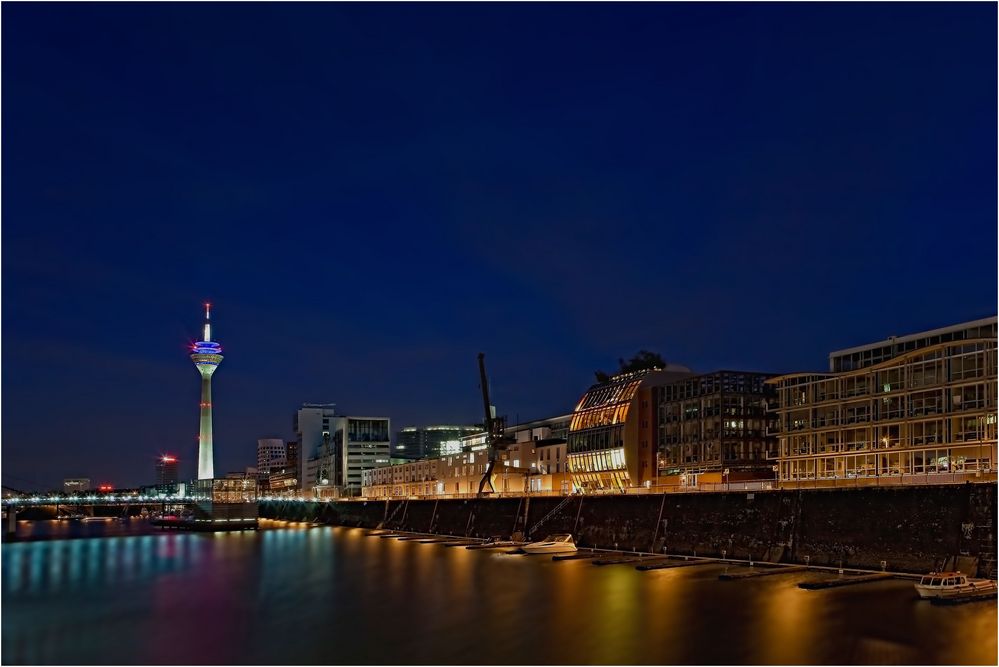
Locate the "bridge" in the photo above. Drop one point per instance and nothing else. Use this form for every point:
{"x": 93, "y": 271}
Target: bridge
{"x": 99, "y": 499}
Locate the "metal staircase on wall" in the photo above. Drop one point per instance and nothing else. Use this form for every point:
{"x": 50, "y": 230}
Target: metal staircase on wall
{"x": 392, "y": 515}
{"x": 565, "y": 501}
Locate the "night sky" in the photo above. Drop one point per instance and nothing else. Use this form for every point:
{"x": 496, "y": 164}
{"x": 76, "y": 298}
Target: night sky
{"x": 371, "y": 195}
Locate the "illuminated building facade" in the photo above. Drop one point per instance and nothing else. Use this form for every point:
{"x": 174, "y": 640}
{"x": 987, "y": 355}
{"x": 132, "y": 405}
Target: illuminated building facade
{"x": 716, "y": 422}
{"x": 614, "y": 432}
{"x": 533, "y": 462}
{"x": 417, "y": 442}
{"x": 905, "y": 409}
{"x": 207, "y": 355}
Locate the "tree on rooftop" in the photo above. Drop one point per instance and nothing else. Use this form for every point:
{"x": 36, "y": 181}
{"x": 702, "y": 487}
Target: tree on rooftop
{"x": 644, "y": 360}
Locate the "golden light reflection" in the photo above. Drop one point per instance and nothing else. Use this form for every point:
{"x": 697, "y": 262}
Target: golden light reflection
{"x": 787, "y": 621}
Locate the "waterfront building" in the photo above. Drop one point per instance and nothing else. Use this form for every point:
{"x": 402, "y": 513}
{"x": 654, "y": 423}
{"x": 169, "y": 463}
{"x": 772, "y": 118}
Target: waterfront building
{"x": 283, "y": 482}
{"x": 312, "y": 425}
{"x": 271, "y": 453}
{"x": 716, "y": 427}
{"x": 417, "y": 442}
{"x": 341, "y": 447}
{"x": 206, "y": 355}
{"x": 76, "y": 484}
{"x": 614, "y": 432}
{"x": 901, "y": 410}
{"x": 166, "y": 470}
{"x": 520, "y": 467}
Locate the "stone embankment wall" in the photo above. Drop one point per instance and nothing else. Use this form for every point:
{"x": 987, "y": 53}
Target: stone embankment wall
{"x": 912, "y": 529}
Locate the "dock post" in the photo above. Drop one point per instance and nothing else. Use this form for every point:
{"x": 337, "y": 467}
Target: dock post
{"x": 11, "y": 525}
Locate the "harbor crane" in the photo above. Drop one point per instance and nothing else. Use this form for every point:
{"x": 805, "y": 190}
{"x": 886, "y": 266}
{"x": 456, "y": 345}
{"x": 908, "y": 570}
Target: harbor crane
{"x": 495, "y": 426}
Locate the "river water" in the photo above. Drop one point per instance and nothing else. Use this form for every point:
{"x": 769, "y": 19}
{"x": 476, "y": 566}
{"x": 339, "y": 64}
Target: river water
{"x": 290, "y": 594}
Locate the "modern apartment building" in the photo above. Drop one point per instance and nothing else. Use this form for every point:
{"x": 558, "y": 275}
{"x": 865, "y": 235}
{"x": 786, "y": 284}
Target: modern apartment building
{"x": 614, "y": 432}
{"x": 906, "y": 408}
{"x": 715, "y": 426}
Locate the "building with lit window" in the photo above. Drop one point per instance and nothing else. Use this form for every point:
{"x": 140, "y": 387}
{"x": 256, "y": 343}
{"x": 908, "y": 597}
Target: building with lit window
{"x": 418, "y": 442}
{"x": 271, "y": 453}
{"x": 614, "y": 432}
{"x": 714, "y": 428}
{"x": 533, "y": 461}
{"x": 344, "y": 448}
{"x": 902, "y": 410}
{"x": 312, "y": 424}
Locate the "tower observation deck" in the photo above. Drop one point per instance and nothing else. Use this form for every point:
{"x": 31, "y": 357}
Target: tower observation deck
{"x": 206, "y": 355}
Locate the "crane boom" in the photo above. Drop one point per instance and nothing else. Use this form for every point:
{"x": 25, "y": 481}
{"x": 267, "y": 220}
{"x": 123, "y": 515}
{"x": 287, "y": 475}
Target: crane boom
{"x": 494, "y": 429}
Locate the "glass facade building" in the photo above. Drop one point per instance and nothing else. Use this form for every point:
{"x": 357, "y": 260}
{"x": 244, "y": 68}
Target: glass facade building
{"x": 904, "y": 408}
{"x": 613, "y": 433}
{"x": 418, "y": 442}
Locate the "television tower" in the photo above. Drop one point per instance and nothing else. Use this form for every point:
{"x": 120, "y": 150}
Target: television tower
{"x": 207, "y": 357}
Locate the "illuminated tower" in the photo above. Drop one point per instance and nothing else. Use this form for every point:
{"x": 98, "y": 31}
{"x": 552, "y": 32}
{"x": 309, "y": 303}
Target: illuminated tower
{"x": 207, "y": 357}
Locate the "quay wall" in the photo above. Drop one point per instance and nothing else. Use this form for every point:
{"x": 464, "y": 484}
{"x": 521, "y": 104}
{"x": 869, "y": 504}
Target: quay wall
{"x": 912, "y": 529}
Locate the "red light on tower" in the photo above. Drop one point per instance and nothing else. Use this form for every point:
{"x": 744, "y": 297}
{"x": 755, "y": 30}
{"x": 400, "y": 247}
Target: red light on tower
{"x": 169, "y": 459}
{"x": 105, "y": 488}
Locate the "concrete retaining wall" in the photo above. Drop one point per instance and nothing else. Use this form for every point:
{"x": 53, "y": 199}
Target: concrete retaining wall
{"x": 913, "y": 529}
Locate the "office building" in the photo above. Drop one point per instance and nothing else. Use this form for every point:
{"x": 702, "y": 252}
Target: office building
{"x": 313, "y": 427}
{"x": 336, "y": 449}
{"x": 166, "y": 470}
{"x": 714, "y": 428}
{"x": 614, "y": 432}
{"x": 271, "y": 453}
{"x": 418, "y": 442}
{"x": 206, "y": 355}
{"x": 902, "y": 410}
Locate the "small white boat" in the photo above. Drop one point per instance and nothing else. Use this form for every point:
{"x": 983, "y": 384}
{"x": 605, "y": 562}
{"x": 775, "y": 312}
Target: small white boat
{"x": 553, "y": 544}
{"x": 951, "y": 584}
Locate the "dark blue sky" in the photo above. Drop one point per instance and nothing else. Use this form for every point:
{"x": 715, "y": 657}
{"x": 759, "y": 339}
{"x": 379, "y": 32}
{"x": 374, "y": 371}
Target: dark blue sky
{"x": 372, "y": 194}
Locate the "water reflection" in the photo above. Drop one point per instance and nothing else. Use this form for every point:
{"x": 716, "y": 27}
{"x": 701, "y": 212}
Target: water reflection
{"x": 322, "y": 595}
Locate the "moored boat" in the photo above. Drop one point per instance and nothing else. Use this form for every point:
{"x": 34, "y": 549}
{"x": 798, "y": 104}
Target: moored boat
{"x": 953, "y": 585}
{"x": 553, "y": 544}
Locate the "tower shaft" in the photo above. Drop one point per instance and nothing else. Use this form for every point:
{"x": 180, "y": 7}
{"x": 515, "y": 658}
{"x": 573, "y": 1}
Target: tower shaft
{"x": 206, "y": 459}
{"x": 207, "y": 355}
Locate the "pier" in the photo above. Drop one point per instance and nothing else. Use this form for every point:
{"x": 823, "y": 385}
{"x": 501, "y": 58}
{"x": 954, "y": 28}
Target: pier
{"x": 762, "y": 572}
{"x": 845, "y": 581}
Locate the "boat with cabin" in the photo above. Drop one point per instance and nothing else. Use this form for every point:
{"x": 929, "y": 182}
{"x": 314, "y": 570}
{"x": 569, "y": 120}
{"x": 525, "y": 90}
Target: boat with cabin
{"x": 553, "y": 544}
{"x": 953, "y": 585}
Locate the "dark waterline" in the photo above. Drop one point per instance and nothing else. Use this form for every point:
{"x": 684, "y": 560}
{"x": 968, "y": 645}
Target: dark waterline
{"x": 332, "y": 595}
